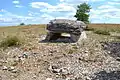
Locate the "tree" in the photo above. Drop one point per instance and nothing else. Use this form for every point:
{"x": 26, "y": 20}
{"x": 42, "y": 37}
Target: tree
{"x": 22, "y": 24}
{"x": 82, "y": 12}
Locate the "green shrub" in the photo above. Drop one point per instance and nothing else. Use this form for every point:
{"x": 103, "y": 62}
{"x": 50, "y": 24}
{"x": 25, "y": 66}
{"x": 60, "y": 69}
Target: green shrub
{"x": 10, "y": 41}
{"x": 102, "y": 32}
{"x": 22, "y": 24}
{"x": 89, "y": 29}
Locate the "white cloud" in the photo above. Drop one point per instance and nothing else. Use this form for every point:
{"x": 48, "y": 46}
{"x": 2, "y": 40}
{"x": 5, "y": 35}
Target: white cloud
{"x": 40, "y": 5}
{"x": 9, "y": 17}
{"x": 110, "y": 10}
{"x": 62, "y": 0}
{"x": 2, "y": 10}
{"x": 19, "y": 6}
{"x": 71, "y": 18}
{"x": 96, "y": 0}
{"x": 105, "y": 13}
{"x": 114, "y": 3}
{"x": 46, "y": 16}
{"x": 116, "y": 0}
{"x": 105, "y": 7}
{"x": 64, "y": 9}
{"x": 1, "y": 15}
{"x": 30, "y": 13}
{"x": 74, "y": 1}
{"x": 79, "y": 1}
{"x": 16, "y": 2}
{"x": 45, "y": 7}
{"x": 5, "y": 20}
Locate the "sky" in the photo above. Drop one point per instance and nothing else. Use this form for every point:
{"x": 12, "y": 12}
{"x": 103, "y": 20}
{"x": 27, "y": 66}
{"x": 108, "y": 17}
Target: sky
{"x": 14, "y": 12}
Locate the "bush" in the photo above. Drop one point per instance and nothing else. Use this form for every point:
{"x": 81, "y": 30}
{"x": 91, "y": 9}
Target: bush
{"x": 10, "y": 41}
{"x": 22, "y": 24}
{"x": 89, "y": 29}
{"x": 102, "y": 32}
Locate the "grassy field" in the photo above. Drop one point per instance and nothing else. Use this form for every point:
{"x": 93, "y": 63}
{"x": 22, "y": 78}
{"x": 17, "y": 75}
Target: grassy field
{"x": 21, "y": 31}
{"x": 34, "y": 31}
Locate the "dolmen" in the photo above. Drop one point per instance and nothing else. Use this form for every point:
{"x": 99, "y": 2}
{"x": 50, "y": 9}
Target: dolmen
{"x": 58, "y": 26}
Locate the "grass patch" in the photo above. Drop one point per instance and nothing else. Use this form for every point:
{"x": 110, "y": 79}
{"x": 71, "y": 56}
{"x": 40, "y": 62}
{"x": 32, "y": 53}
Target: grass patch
{"x": 109, "y": 27}
{"x": 102, "y": 32}
{"x": 10, "y": 41}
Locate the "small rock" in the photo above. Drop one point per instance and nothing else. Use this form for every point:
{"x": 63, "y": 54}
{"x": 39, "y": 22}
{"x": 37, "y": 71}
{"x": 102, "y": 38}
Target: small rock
{"x": 11, "y": 68}
{"x": 5, "y": 68}
{"x": 25, "y": 49}
{"x": 14, "y": 71}
{"x": 5, "y": 61}
{"x": 35, "y": 53}
{"x": 25, "y": 55}
{"x": 79, "y": 58}
{"x": 54, "y": 69}
{"x": 118, "y": 59}
{"x": 14, "y": 63}
{"x": 34, "y": 76}
{"x": 19, "y": 59}
{"x": 86, "y": 51}
{"x": 64, "y": 70}
{"x": 49, "y": 79}
{"x": 68, "y": 78}
{"x": 88, "y": 78}
{"x": 1, "y": 64}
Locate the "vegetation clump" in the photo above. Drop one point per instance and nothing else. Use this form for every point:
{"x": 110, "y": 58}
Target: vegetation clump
{"x": 102, "y": 32}
{"x": 21, "y": 24}
{"x": 10, "y": 41}
{"x": 89, "y": 29}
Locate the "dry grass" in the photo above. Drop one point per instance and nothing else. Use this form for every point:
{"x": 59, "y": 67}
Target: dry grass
{"x": 26, "y": 34}
{"x": 21, "y": 31}
{"x": 31, "y": 32}
{"x": 102, "y": 32}
{"x": 108, "y": 27}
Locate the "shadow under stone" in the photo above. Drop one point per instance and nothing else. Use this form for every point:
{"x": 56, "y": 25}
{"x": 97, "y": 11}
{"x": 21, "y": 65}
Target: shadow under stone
{"x": 59, "y": 40}
{"x": 113, "y": 48}
{"x": 103, "y": 75}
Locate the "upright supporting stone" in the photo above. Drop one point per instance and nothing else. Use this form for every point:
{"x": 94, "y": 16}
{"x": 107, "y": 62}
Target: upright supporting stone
{"x": 74, "y": 37}
{"x": 48, "y": 37}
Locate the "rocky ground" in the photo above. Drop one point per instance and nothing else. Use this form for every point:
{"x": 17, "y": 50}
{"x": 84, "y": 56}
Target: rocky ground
{"x": 84, "y": 60}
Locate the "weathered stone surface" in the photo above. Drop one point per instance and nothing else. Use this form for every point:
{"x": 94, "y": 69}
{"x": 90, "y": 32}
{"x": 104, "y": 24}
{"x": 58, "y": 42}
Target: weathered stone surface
{"x": 58, "y": 26}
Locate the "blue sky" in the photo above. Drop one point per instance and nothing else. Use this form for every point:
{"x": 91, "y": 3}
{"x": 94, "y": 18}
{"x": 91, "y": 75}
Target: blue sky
{"x": 13, "y": 12}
